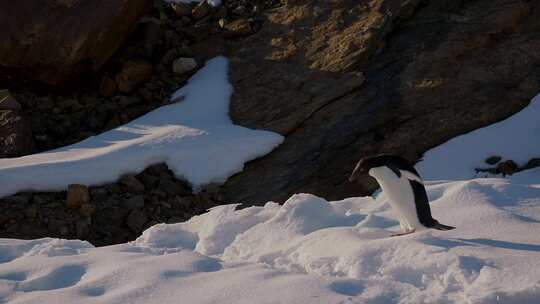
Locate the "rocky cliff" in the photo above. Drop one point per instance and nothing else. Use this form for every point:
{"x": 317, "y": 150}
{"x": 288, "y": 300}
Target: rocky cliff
{"x": 346, "y": 79}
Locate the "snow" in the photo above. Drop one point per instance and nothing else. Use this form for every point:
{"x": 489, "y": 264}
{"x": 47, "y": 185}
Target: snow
{"x": 516, "y": 138}
{"x": 310, "y": 250}
{"x": 214, "y": 3}
{"x": 195, "y": 137}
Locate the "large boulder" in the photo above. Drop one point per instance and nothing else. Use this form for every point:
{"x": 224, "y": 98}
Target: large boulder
{"x": 347, "y": 79}
{"x": 53, "y": 41}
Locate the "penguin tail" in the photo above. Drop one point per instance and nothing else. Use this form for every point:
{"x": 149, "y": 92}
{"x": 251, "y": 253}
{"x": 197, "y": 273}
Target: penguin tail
{"x": 440, "y": 226}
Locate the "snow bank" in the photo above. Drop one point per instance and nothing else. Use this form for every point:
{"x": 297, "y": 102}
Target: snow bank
{"x": 516, "y": 138}
{"x": 195, "y": 137}
{"x": 309, "y": 249}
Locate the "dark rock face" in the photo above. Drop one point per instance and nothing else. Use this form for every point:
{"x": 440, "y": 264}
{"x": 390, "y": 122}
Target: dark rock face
{"x": 53, "y": 41}
{"x": 344, "y": 80}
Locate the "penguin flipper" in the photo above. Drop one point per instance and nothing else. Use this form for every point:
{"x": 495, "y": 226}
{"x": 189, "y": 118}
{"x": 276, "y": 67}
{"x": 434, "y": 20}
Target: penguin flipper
{"x": 440, "y": 226}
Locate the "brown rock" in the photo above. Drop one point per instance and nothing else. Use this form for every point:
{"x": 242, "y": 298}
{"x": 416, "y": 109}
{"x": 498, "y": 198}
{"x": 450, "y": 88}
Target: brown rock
{"x": 423, "y": 85}
{"x": 107, "y": 86}
{"x": 508, "y": 167}
{"x": 15, "y": 131}
{"x": 533, "y": 163}
{"x": 132, "y": 74}
{"x": 201, "y": 10}
{"x": 136, "y": 220}
{"x": 181, "y": 9}
{"x": 238, "y": 28}
{"x": 77, "y": 195}
{"x": 7, "y": 102}
{"x": 87, "y": 210}
{"x": 55, "y": 42}
{"x": 492, "y": 160}
{"x": 132, "y": 184}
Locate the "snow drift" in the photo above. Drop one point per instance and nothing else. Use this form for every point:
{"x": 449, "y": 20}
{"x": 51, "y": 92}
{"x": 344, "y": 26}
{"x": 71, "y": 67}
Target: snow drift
{"x": 195, "y": 137}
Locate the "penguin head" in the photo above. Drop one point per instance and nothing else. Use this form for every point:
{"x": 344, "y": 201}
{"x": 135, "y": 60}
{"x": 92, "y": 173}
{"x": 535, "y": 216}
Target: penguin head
{"x": 382, "y": 160}
{"x": 364, "y": 165}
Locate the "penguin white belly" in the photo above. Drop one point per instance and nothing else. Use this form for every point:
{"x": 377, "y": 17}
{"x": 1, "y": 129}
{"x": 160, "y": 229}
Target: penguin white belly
{"x": 400, "y": 195}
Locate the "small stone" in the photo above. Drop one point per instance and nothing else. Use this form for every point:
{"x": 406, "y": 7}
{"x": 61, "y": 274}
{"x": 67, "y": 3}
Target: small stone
{"x": 8, "y": 102}
{"x": 64, "y": 231}
{"x": 45, "y": 103}
{"x": 181, "y": 9}
{"x": 492, "y": 160}
{"x": 150, "y": 29}
{"x": 135, "y": 202}
{"x": 174, "y": 188}
{"x": 132, "y": 74}
{"x": 508, "y": 167}
{"x": 136, "y": 220}
{"x": 239, "y": 10}
{"x": 221, "y": 12}
{"x": 533, "y": 163}
{"x": 39, "y": 199}
{"x": 98, "y": 192}
{"x": 82, "y": 228}
{"x": 237, "y": 29}
{"x": 87, "y": 210}
{"x": 185, "y": 20}
{"x": 54, "y": 224}
{"x": 132, "y": 183}
{"x": 107, "y": 87}
{"x": 31, "y": 212}
{"x": 201, "y": 10}
{"x": 19, "y": 199}
{"x": 77, "y": 195}
{"x": 69, "y": 104}
{"x": 126, "y": 101}
{"x": 183, "y": 65}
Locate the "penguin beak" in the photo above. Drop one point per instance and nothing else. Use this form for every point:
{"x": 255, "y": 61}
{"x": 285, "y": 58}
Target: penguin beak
{"x": 353, "y": 176}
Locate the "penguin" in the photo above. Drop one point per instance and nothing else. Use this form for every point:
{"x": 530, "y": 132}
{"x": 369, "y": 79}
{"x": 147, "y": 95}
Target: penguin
{"x": 404, "y": 190}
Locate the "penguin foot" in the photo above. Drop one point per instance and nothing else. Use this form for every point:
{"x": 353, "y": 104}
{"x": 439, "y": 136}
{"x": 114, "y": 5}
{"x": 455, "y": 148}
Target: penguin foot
{"x": 404, "y": 233}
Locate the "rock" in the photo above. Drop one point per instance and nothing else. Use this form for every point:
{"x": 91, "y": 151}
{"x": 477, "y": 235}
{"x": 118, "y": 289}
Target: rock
{"x": 151, "y": 33}
{"x": 136, "y": 220}
{"x": 210, "y": 48}
{"x": 492, "y": 160}
{"x": 135, "y": 202}
{"x": 239, "y": 10}
{"x": 31, "y": 212}
{"x": 15, "y": 132}
{"x": 533, "y": 163}
{"x": 237, "y": 29}
{"x": 201, "y": 10}
{"x": 20, "y": 199}
{"x": 132, "y": 184}
{"x": 57, "y": 42}
{"x": 8, "y": 102}
{"x": 181, "y": 9}
{"x": 311, "y": 52}
{"x": 184, "y": 65}
{"x": 107, "y": 86}
{"x": 87, "y": 210}
{"x": 82, "y": 228}
{"x": 508, "y": 167}
{"x": 77, "y": 195}
{"x": 172, "y": 187}
{"x": 132, "y": 74}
